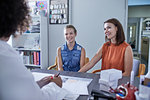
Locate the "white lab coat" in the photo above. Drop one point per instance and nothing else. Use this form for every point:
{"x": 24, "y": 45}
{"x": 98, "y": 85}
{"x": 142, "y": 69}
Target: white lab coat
{"x": 17, "y": 83}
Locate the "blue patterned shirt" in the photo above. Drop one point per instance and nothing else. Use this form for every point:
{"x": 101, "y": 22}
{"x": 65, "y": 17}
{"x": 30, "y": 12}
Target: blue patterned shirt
{"x": 71, "y": 58}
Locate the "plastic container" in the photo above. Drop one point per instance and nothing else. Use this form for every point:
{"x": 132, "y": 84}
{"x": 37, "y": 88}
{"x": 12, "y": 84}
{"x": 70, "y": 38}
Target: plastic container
{"x": 143, "y": 97}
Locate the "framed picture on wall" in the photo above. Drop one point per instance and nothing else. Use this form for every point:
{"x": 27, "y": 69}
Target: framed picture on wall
{"x": 59, "y": 12}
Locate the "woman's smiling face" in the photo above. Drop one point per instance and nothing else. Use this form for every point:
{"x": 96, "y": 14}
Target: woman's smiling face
{"x": 110, "y": 30}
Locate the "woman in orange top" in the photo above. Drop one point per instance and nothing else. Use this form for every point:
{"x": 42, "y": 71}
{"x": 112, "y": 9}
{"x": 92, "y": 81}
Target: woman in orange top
{"x": 115, "y": 53}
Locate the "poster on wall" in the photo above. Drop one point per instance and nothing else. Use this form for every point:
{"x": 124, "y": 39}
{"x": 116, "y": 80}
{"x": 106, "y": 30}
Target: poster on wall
{"x": 42, "y": 5}
{"x": 59, "y": 12}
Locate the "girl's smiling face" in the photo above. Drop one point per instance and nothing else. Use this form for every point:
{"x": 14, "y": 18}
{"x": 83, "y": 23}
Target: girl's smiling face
{"x": 69, "y": 35}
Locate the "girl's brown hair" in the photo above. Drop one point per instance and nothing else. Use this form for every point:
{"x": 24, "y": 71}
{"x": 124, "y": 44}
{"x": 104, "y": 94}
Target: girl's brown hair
{"x": 71, "y": 26}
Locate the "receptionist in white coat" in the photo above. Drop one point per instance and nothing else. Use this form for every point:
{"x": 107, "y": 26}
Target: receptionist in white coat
{"x": 16, "y": 82}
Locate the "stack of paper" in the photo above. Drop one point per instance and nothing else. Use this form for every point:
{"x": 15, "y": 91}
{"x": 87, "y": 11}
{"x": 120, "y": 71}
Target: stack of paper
{"x": 109, "y": 78}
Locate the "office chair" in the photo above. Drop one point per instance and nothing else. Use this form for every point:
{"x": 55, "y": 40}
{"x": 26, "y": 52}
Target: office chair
{"x": 55, "y": 67}
{"x": 139, "y": 69}
{"x": 135, "y": 67}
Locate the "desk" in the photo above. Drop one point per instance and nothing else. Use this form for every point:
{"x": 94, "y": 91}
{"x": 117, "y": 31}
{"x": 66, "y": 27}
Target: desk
{"x": 93, "y": 85}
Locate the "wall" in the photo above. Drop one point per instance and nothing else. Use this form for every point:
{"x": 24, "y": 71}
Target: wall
{"x": 139, "y": 11}
{"x": 138, "y": 2}
{"x": 88, "y": 17}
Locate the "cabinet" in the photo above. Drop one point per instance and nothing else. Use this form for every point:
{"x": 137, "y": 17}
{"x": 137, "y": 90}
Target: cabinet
{"x": 33, "y": 44}
{"x": 145, "y": 48}
{"x": 145, "y": 43}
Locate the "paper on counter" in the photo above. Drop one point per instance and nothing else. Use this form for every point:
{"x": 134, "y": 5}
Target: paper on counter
{"x": 38, "y": 76}
{"x": 74, "y": 85}
{"x": 77, "y": 85}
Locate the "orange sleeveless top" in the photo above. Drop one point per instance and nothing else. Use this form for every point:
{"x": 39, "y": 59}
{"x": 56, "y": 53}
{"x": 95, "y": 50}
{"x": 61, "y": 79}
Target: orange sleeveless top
{"x": 113, "y": 56}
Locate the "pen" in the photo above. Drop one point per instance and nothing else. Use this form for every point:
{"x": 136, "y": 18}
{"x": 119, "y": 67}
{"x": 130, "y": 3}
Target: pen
{"x": 119, "y": 92}
{"x": 57, "y": 75}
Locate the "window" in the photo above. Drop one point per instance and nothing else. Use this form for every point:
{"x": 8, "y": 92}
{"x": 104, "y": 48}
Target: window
{"x": 133, "y": 33}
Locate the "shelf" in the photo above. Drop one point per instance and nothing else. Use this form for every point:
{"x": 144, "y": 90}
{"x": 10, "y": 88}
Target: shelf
{"x": 33, "y": 45}
{"x": 146, "y": 32}
{"x": 33, "y": 65}
{"x": 27, "y": 49}
{"x": 30, "y": 33}
{"x": 33, "y": 16}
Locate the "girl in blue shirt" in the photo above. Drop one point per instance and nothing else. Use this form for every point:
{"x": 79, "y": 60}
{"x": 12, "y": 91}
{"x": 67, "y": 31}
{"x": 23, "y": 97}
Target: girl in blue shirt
{"x": 71, "y": 56}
